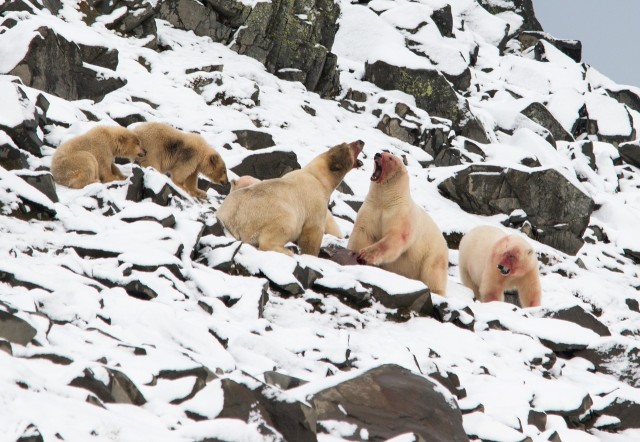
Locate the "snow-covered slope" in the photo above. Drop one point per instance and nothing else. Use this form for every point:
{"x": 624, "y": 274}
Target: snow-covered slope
{"x": 122, "y": 316}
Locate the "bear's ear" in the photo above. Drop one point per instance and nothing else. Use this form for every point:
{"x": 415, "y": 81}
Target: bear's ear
{"x": 530, "y": 252}
{"x": 213, "y": 159}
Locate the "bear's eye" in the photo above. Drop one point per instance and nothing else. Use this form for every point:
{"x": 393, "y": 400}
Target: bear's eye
{"x": 336, "y": 166}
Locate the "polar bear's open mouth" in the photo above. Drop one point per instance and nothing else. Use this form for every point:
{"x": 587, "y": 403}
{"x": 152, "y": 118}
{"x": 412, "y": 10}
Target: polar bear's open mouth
{"x": 504, "y": 269}
{"x": 377, "y": 173}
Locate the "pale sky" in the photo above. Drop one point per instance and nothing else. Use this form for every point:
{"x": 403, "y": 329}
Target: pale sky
{"x": 609, "y": 31}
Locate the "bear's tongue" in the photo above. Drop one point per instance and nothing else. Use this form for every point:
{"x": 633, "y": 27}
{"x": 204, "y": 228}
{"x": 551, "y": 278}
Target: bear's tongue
{"x": 377, "y": 171}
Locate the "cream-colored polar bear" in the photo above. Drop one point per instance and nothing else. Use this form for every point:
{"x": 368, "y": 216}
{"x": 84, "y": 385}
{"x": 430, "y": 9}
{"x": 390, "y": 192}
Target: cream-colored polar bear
{"x": 391, "y": 231}
{"x": 492, "y": 261}
{"x": 331, "y": 226}
{"x": 182, "y": 155}
{"x": 88, "y": 158}
{"x": 273, "y": 212}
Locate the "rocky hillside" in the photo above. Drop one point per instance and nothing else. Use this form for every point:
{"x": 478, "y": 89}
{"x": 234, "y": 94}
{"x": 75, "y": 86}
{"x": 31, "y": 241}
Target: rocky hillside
{"x": 127, "y": 314}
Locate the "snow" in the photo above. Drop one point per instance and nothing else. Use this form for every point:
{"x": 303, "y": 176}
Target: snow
{"x": 212, "y": 319}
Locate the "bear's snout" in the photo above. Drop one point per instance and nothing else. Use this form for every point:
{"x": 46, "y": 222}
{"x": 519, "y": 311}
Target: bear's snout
{"x": 504, "y": 269}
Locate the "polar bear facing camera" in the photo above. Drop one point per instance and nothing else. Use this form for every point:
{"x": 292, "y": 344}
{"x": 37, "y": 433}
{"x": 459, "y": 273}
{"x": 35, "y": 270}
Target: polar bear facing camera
{"x": 492, "y": 261}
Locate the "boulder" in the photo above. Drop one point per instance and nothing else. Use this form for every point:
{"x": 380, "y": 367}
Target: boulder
{"x": 626, "y": 410}
{"x": 444, "y": 20}
{"x": 14, "y": 329}
{"x": 55, "y": 65}
{"x": 390, "y": 400}
{"x": 538, "y": 113}
{"x": 523, "y": 8}
{"x": 195, "y": 16}
{"x": 267, "y": 165}
{"x": 558, "y": 211}
{"x": 607, "y": 358}
{"x": 433, "y": 93}
{"x": 626, "y": 96}
{"x": 630, "y": 153}
{"x": 11, "y": 158}
{"x": 571, "y": 48}
{"x": 293, "y": 420}
{"x": 43, "y": 181}
{"x": 253, "y": 139}
{"x": 21, "y": 125}
{"x": 580, "y": 316}
{"x": 119, "y": 388}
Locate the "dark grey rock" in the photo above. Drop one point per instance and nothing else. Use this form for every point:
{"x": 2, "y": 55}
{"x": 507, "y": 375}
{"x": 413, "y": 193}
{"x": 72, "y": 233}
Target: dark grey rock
{"x": 390, "y": 400}
{"x": 267, "y": 165}
{"x": 293, "y": 420}
{"x": 395, "y": 300}
{"x": 14, "y": 329}
{"x": 195, "y": 16}
{"x": 31, "y": 434}
{"x": 25, "y": 134}
{"x": 630, "y": 153}
{"x": 29, "y": 210}
{"x": 12, "y": 158}
{"x": 626, "y": 96}
{"x": 540, "y": 114}
{"x": 52, "y": 357}
{"x": 120, "y": 389}
{"x": 397, "y": 128}
{"x": 451, "y": 382}
{"x": 606, "y": 356}
{"x": 43, "y": 181}
{"x": 538, "y": 419}
{"x": 624, "y": 409}
{"x": 443, "y": 312}
{"x": 524, "y": 8}
{"x": 306, "y": 276}
{"x": 557, "y": 210}
{"x": 571, "y": 48}
{"x": 282, "y": 381}
{"x": 443, "y": 20}
{"x": 5, "y": 346}
{"x": 432, "y": 92}
{"x": 349, "y": 295}
{"x": 55, "y": 65}
{"x": 100, "y": 56}
{"x": 254, "y": 139}
{"x": 580, "y": 316}
{"x": 574, "y": 414}
{"x": 139, "y": 290}
{"x": 339, "y": 255}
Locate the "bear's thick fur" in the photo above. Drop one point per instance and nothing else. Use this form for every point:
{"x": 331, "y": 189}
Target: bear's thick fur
{"x": 391, "y": 231}
{"x": 88, "y": 158}
{"x": 182, "y": 155}
{"x": 331, "y": 226}
{"x": 491, "y": 262}
{"x": 271, "y": 213}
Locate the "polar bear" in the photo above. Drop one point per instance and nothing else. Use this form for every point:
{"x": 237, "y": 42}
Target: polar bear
{"x": 273, "y": 212}
{"x": 182, "y": 155}
{"x": 491, "y": 262}
{"x": 88, "y": 158}
{"x": 391, "y": 231}
{"x": 331, "y": 226}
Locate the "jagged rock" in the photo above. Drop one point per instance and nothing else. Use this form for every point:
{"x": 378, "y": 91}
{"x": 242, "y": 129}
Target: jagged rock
{"x": 397, "y": 128}
{"x": 11, "y": 158}
{"x": 444, "y": 312}
{"x": 524, "y": 8}
{"x": 605, "y": 356}
{"x": 254, "y": 139}
{"x": 195, "y": 16}
{"x": 282, "y": 381}
{"x": 538, "y": 419}
{"x": 630, "y": 153}
{"x": 451, "y": 382}
{"x": 265, "y": 166}
{"x": 43, "y": 181}
{"x": 139, "y": 290}
{"x": 118, "y": 390}
{"x": 570, "y": 413}
{"x": 21, "y": 128}
{"x": 55, "y": 65}
{"x": 538, "y": 113}
{"x": 100, "y": 56}
{"x": 5, "y": 346}
{"x": 19, "y": 5}
{"x": 52, "y": 357}
{"x": 626, "y": 96}
{"x": 580, "y": 316}
{"x": 444, "y": 20}
{"x": 432, "y": 92}
{"x": 626, "y": 410}
{"x": 293, "y": 36}
{"x": 389, "y": 401}
{"x": 31, "y": 434}
{"x": 14, "y": 329}
{"x": 558, "y": 211}
{"x": 294, "y": 420}
{"x": 571, "y": 48}
{"x": 350, "y": 295}
{"x": 339, "y": 255}
{"x": 22, "y": 201}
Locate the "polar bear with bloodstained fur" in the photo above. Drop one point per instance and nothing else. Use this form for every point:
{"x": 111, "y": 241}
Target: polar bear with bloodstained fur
{"x": 293, "y": 208}
{"x": 491, "y": 262}
{"x": 331, "y": 226}
{"x": 88, "y": 158}
{"x": 391, "y": 231}
{"x": 182, "y": 155}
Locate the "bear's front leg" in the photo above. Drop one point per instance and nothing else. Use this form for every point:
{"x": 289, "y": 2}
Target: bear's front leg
{"x": 111, "y": 173}
{"x": 529, "y": 292}
{"x": 190, "y": 184}
{"x": 387, "y": 250}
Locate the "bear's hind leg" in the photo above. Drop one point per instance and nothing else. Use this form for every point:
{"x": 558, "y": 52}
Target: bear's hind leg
{"x": 310, "y": 240}
{"x": 274, "y": 239}
{"x": 434, "y": 275}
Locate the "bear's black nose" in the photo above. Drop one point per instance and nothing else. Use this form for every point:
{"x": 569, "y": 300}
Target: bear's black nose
{"x": 504, "y": 270}
{"x": 377, "y": 156}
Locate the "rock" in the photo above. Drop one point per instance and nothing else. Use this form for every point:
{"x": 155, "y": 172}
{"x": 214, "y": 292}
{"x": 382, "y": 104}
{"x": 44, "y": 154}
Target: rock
{"x": 118, "y": 390}
{"x": 630, "y": 153}
{"x": 538, "y": 419}
{"x": 571, "y": 48}
{"x": 253, "y": 139}
{"x": 607, "y": 358}
{"x": 11, "y": 158}
{"x": 524, "y": 8}
{"x": 578, "y": 315}
{"x": 389, "y": 401}
{"x": 100, "y": 56}
{"x": 282, "y": 381}
{"x": 397, "y": 128}
{"x": 296, "y": 35}
{"x": 265, "y": 166}
{"x": 55, "y": 65}
{"x": 23, "y": 128}
{"x": 31, "y": 434}
{"x": 432, "y": 92}
{"x": 444, "y": 20}
{"x": 195, "y": 16}
{"x": 43, "y": 181}
{"x": 139, "y": 290}
{"x": 5, "y": 346}
{"x": 14, "y": 329}
{"x": 558, "y": 211}
{"x": 626, "y": 410}
{"x": 541, "y": 115}
{"x": 626, "y": 96}
{"x": 294, "y": 420}
{"x": 444, "y": 312}
{"x": 339, "y": 255}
